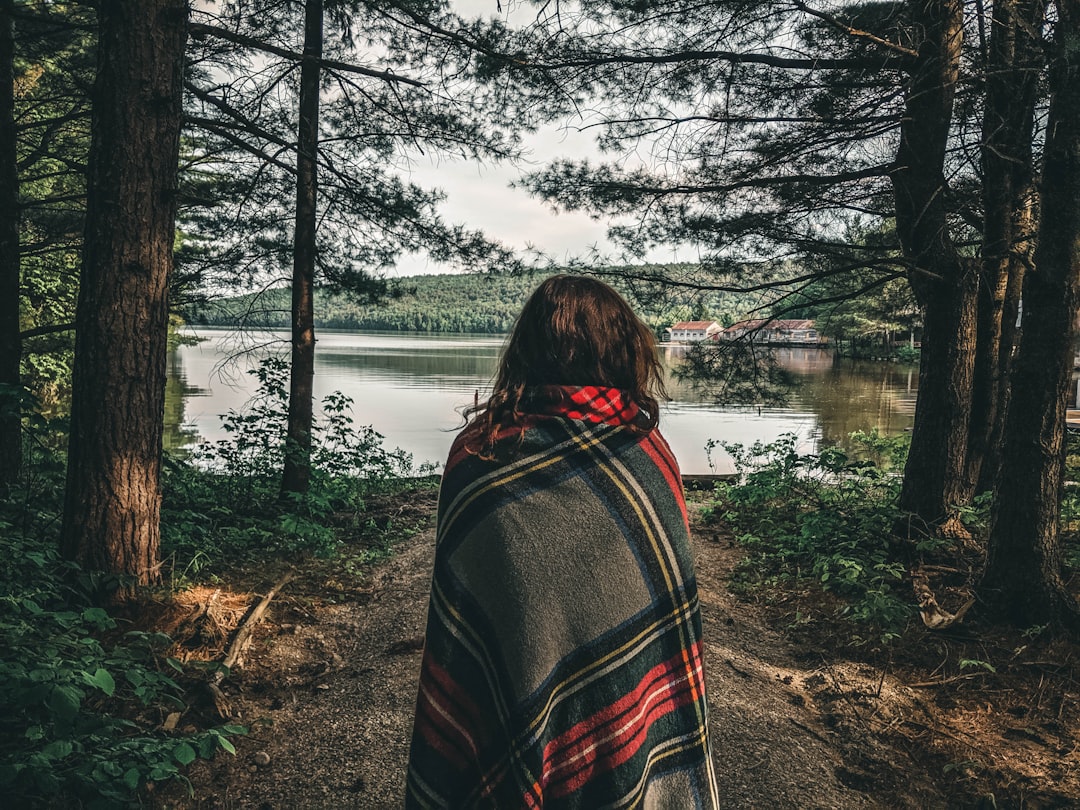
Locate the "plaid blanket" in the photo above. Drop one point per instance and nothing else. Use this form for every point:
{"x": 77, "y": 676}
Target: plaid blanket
{"x": 563, "y": 664}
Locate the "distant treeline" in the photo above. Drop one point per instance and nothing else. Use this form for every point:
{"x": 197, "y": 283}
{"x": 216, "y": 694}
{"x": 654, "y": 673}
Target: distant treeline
{"x": 455, "y": 303}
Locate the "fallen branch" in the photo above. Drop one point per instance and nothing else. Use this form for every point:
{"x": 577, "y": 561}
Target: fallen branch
{"x": 934, "y": 729}
{"x": 236, "y": 649}
{"x": 932, "y": 614}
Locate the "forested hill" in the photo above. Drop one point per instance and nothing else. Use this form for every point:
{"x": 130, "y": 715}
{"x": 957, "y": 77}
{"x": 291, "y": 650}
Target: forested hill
{"x": 451, "y": 303}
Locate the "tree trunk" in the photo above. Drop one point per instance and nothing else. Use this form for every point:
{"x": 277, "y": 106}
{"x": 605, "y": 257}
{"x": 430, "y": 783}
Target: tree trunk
{"x": 1023, "y": 582}
{"x": 113, "y": 497}
{"x": 944, "y": 283}
{"x": 934, "y": 473}
{"x": 1012, "y": 76}
{"x": 1008, "y": 341}
{"x": 297, "y": 473}
{"x": 10, "y": 342}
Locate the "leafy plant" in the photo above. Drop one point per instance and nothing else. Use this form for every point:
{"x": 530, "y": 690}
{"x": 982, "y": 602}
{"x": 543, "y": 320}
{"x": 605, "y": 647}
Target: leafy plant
{"x": 977, "y": 516}
{"x": 908, "y": 354}
{"x": 225, "y": 497}
{"x": 965, "y": 663}
{"x": 822, "y": 517}
{"x": 77, "y": 696}
{"x": 1070, "y": 505}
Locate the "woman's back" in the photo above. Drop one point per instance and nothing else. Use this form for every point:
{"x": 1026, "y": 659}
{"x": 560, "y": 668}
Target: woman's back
{"x": 562, "y": 662}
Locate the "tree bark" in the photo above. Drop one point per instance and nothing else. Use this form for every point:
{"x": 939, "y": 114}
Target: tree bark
{"x": 113, "y": 498}
{"x": 297, "y": 473}
{"x": 1008, "y": 340}
{"x": 10, "y": 340}
{"x": 1012, "y": 78}
{"x": 1023, "y": 583}
{"x": 944, "y": 283}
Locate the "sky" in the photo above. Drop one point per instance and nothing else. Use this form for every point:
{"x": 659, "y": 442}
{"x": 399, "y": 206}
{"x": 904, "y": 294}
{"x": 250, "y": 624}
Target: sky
{"x": 480, "y": 197}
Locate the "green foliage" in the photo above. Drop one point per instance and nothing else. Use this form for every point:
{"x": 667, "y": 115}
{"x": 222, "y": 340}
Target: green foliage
{"x": 976, "y": 663}
{"x": 872, "y": 323}
{"x": 877, "y": 313}
{"x": 479, "y": 303}
{"x": 976, "y": 515}
{"x": 736, "y": 372}
{"x": 822, "y": 518}
{"x": 237, "y": 195}
{"x": 54, "y": 66}
{"x": 1070, "y": 504}
{"x": 887, "y": 453}
{"x": 908, "y": 354}
{"x": 225, "y": 499}
{"x": 80, "y": 700}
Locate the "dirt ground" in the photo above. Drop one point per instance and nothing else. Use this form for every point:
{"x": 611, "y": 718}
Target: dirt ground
{"x": 327, "y": 689}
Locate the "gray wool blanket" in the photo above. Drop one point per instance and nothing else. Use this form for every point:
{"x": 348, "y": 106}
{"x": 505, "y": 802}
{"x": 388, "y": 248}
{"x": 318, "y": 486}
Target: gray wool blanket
{"x": 563, "y": 658}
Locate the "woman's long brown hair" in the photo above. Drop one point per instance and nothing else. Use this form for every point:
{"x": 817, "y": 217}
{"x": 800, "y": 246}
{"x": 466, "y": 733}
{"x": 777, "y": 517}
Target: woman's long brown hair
{"x": 573, "y": 330}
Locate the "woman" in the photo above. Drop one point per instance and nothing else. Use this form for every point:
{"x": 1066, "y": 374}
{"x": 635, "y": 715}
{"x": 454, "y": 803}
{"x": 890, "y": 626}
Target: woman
{"x": 562, "y": 662}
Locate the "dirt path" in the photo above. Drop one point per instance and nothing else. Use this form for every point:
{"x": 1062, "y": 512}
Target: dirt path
{"x": 328, "y": 693}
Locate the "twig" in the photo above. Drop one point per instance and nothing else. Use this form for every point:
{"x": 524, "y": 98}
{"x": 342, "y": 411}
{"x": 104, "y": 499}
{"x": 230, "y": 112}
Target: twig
{"x": 738, "y": 671}
{"x": 881, "y": 682}
{"x": 965, "y": 677}
{"x": 877, "y": 694}
{"x": 808, "y": 730}
{"x": 236, "y": 648}
{"x": 843, "y": 692}
{"x": 944, "y": 733}
{"x": 932, "y": 614}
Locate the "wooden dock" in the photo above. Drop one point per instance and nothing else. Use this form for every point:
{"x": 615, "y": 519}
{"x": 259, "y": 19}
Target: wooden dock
{"x": 1072, "y": 419}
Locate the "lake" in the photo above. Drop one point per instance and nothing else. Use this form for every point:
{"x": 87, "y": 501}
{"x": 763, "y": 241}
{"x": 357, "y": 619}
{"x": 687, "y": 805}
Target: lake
{"x": 411, "y": 388}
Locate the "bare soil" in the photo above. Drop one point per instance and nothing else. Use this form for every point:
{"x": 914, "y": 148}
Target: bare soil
{"x": 801, "y": 716}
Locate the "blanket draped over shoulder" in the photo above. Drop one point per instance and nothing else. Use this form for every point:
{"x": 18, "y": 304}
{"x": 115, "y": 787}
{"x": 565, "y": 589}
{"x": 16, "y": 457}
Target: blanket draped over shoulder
{"x": 563, "y": 664}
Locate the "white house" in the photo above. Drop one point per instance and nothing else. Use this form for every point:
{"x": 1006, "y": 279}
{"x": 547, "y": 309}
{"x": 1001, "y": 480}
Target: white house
{"x": 693, "y": 331}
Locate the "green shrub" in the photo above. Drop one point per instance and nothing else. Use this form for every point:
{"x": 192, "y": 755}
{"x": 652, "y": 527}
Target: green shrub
{"x": 224, "y": 497}
{"x": 908, "y": 354}
{"x": 824, "y": 517}
{"x": 80, "y": 701}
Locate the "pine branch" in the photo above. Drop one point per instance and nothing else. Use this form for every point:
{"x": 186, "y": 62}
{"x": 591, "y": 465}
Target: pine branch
{"x": 200, "y": 30}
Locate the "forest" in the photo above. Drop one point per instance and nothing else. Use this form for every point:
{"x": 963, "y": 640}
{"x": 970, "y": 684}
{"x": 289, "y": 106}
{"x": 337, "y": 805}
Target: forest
{"x": 486, "y": 303}
{"x": 884, "y": 166}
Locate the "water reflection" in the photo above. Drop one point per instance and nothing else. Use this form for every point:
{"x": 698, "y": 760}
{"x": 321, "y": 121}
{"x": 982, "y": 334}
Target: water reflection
{"x": 412, "y": 388}
{"x": 849, "y": 395}
{"x": 176, "y": 433}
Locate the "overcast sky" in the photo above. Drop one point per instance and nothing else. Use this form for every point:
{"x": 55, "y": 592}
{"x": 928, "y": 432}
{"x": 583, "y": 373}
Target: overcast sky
{"x": 480, "y": 198}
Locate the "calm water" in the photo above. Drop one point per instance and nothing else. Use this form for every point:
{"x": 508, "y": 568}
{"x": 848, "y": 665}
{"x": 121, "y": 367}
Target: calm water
{"x": 411, "y": 389}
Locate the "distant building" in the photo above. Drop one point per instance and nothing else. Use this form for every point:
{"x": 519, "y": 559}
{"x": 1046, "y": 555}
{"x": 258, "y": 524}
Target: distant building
{"x": 692, "y": 331}
{"x": 799, "y": 332}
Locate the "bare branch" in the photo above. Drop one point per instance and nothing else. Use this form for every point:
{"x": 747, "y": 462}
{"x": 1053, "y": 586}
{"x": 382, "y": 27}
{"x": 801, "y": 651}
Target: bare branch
{"x": 756, "y": 182}
{"x": 222, "y": 131}
{"x": 51, "y": 329}
{"x": 856, "y": 32}
{"x": 199, "y": 30}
